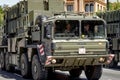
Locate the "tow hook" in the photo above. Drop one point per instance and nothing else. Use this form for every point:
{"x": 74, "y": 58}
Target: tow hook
{"x": 110, "y": 58}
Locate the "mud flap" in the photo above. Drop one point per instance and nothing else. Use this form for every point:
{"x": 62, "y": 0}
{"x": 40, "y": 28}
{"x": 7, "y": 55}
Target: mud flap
{"x": 41, "y": 54}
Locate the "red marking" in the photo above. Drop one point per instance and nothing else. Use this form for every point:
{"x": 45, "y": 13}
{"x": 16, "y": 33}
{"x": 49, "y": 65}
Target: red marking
{"x": 48, "y": 61}
{"x": 110, "y": 58}
{"x": 41, "y": 49}
{"x": 41, "y": 46}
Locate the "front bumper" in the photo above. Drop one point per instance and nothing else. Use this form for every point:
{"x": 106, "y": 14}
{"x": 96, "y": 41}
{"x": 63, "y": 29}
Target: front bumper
{"x": 76, "y": 61}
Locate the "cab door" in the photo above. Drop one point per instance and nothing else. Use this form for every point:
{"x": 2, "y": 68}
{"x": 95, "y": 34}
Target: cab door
{"x": 47, "y": 37}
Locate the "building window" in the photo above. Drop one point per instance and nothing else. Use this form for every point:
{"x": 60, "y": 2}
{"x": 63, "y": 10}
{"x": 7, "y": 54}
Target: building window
{"x": 69, "y": 7}
{"x": 101, "y": 8}
{"x": 87, "y": 8}
{"x": 91, "y": 7}
{"x": 98, "y": 7}
{"x": 46, "y": 4}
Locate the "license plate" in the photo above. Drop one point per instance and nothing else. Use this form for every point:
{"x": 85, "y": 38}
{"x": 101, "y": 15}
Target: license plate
{"x": 82, "y": 50}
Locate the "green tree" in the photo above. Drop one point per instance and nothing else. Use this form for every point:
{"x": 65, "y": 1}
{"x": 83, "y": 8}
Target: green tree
{"x": 115, "y": 5}
{"x": 1, "y": 15}
{"x": 1, "y": 10}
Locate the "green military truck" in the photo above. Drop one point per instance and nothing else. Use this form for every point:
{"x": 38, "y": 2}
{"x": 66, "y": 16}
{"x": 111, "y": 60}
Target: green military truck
{"x": 113, "y": 34}
{"x": 36, "y": 44}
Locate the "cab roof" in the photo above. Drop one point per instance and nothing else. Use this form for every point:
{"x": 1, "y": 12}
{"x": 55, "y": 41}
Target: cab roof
{"x": 74, "y": 17}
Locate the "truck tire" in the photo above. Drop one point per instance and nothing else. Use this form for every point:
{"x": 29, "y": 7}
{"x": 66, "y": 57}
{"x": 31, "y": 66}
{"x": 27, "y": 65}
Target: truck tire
{"x": 93, "y": 72}
{"x": 25, "y": 67}
{"x": 113, "y": 64}
{"x": 38, "y": 73}
{"x": 2, "y": 61}
{"x": 8, "y": 65}
{"x": 75, "y": 72}
{"x": 50, "y": 73}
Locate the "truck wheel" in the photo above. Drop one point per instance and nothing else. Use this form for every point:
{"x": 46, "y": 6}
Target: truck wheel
{"x": 8, "y": 66}
{"x": 113, "y": 64}
{"x": 2, "y": 61}
{"x": 50, "y": 73}
{"x": 37, "y": 72}
{"x": 93, "y": 72}
{"x": 7, "y": 62}
{"x": 24, "y": 65}
{"x": 75, "y": 72}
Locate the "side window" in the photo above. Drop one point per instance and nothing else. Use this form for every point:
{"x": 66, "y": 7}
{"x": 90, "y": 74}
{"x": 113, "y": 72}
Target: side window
{"x": 46, "y": 5}
{"x": 47, "y": 30}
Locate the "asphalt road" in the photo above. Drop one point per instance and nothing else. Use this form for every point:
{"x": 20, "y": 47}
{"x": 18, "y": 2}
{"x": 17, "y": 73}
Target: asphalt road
{"x": 108, "y": 74}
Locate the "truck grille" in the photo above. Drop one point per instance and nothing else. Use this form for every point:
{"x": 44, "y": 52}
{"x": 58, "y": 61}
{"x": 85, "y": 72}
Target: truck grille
{"x": 73, "y": 48}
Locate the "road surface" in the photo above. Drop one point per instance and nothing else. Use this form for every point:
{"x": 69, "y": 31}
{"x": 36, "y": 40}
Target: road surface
{"x": 108, "y": 74}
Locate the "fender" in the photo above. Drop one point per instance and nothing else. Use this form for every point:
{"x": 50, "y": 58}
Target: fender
{"x": 41, "y": 54}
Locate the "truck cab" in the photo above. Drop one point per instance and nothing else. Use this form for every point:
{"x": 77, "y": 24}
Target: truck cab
{"x": 68, "y": 47}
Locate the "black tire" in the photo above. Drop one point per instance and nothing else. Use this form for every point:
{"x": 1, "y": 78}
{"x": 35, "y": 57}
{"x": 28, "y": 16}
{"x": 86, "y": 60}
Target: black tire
{"x": 38, "y": 73}
{"x": 50, "y": 73}
{"x": 2, "y": 61}
{"x": 93, "y": 72}
{"x": 8, "y": 65}
{"x": 24, "y": 65}
{"x": 75, "y": 72}
{"x": 113, "y": 64}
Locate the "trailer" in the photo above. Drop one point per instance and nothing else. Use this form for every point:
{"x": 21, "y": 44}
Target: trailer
{"x": 113, "y": 33}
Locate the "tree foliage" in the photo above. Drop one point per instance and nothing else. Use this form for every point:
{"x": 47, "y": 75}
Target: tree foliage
{"x": 1, "y": 15}
{"x": 1, "y": 10}
{"x": 114, "y": 6}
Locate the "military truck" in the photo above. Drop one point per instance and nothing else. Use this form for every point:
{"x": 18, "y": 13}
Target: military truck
{"x": 37, "y": 43}
{"x": 113, "y": 34}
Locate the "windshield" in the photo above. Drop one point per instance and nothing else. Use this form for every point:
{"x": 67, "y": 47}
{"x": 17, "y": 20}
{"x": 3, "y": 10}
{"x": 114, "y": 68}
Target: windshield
{"x": 93, "y": 29}
{"x": 66, "y": 29}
